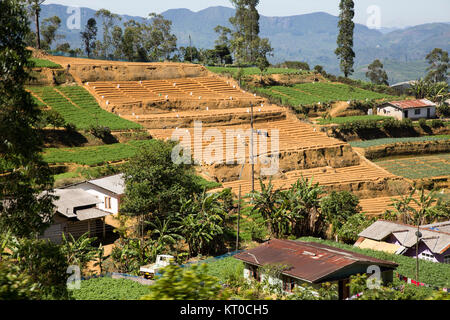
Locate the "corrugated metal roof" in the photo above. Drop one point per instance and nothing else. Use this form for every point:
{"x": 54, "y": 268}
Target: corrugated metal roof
{"x": 440, "y": 226}
{"x": 410, "y": 104}
{"x": 73, "y": 198}
{"x": 114, "y": 183}
{"x": 91, "y": 213}
{"x": 436, "y": 240}
{"x": 307, "y": 261}
{"x": 379, "y": 246}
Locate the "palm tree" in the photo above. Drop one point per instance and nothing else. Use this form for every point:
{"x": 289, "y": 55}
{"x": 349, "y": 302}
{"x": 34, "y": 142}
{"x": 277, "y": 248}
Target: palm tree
{"x": 304, "y": 197}
{"x": 422, "y": 209}
{"x": 167, "y": 231}
{"x": 269, "y": 202}
{"x": 202, "y": 220}
{"x": 79, "y": 251}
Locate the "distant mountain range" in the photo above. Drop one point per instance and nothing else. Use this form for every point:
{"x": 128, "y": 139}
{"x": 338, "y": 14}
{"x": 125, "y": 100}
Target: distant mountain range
{"x": 308, "y": 37}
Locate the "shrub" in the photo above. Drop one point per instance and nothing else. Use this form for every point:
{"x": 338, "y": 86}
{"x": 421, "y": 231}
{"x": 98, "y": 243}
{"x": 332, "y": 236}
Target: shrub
{"x": 423, "y": 123}
{"x": 70, "y": 127}
{"x": 407, "y": 123}
{"x": 443, "y": 110}
{"x": 437, "y": 123}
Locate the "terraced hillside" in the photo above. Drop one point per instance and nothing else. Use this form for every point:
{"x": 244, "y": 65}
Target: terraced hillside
{"x": 168, "y": 98}
{"x": 154, "y": 96}
{"x": 78, "y": 107}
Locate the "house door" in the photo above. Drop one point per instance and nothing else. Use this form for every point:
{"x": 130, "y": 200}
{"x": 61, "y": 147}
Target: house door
{"x": 428, "y": 113}
{"x": 406, "y": 114}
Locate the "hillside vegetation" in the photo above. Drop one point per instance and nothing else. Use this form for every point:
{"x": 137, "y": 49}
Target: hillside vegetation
{"x": 323, "y": 92}
{"x": 78, "y": 107}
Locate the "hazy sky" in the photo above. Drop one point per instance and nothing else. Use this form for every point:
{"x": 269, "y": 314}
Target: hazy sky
{"x": 393, "y": 13}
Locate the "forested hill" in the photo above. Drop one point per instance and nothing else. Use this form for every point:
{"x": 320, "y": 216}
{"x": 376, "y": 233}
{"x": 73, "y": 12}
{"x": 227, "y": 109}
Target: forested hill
{"x": 309, "y": 37}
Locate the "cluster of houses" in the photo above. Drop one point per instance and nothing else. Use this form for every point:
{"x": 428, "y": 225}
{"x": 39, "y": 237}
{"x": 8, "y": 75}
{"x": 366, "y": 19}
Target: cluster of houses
{"x": 312, "y": 264}
{"x": 87, "y": 206}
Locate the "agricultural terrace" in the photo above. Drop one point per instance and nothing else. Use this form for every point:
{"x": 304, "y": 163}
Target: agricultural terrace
{"x": 342, "y": 120}
{"x": 418, "y": 167}
{"x": 41, "y": 63}
{"x": 96, "y": 155}
{"x": 250, "y": 71}
{"x": 77, "y": 106}
{"x": 389, "y": 141}
{"x": 310, "y": 93}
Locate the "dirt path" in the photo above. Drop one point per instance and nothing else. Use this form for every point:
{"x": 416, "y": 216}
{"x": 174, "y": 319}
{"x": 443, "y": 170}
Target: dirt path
{"x": 338, "y": 107}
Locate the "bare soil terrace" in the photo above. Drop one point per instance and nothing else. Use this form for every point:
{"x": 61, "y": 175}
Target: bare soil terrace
{"x": 164, "y": 96}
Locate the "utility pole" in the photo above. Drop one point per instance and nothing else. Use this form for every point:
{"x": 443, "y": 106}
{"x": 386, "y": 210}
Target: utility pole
{"x": 418, "y": 235}
{"x": 238, "y": 219}
{"x": 252, "y": 155}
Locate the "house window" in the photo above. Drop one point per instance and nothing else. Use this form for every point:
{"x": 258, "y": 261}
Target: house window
{"x": 417, "y": 111}
{"x": 107, "y": 202}
{"x": 427, "y": 256}
{"x": 447, "y": 259}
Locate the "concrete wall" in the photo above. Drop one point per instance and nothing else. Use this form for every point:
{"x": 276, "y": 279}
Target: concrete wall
{"x": 390, "y": 112}
{"x": 424, "y": 252}
{"x": 101, "y": 196}
{"x": 399, "y": 114}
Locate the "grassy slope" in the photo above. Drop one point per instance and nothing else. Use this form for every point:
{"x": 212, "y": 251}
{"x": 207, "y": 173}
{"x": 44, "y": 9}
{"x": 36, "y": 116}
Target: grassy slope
{"x": 42, "y": 63}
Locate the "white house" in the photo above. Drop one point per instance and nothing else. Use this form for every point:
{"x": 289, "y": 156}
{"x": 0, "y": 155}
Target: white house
{"x": 108, "y": 190}
{"x": 77, "y": 213}
{"x": 408, "y": 109}
{"x": 85, "y": 207}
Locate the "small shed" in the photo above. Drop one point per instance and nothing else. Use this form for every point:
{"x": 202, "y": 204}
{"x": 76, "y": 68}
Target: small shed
{"x": 311, "y": 263}
{"x": 408, "y": 109}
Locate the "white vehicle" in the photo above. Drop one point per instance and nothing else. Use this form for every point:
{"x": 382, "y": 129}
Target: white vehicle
{"x": 149, "y": 271}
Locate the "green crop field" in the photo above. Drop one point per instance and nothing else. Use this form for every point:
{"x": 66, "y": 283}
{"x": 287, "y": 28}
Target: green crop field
{"x": 254, "y": 71}
{"x": 84, "y": 111}
{"x": 97, "y": 155}
{"x": 310, "y": 93}
{"x": 418, "y": 167}
{"x": 342, "y": 120}
{"x": 388, "y": 141}
{"x": 41, "y": 63}
{"x": 110, "y": 289}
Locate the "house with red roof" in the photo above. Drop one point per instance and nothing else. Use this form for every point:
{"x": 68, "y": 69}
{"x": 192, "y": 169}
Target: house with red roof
{"x": 312, "y": 264}
{"x": 408, "y": 109}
